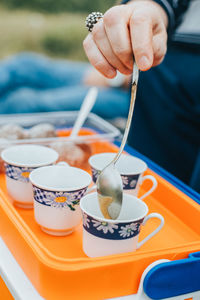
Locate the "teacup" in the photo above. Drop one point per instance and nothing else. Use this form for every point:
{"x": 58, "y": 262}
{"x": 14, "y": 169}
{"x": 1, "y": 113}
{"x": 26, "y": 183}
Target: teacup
{"x": 131, "y": 169}
{"x": 57, "y": 192}
{"x": 19, "y": 161}
{"x": 104, "y": 236}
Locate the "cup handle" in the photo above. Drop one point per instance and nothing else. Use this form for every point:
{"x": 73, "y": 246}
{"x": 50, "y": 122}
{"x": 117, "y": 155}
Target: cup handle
{"x": 152, "y": 215}
{"x": 63, "y": 163}
{"x": 154, "y": 186}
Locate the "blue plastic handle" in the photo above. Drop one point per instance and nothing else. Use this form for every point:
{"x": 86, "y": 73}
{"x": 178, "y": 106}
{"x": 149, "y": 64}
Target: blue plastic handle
{"x": 173, "y": 278}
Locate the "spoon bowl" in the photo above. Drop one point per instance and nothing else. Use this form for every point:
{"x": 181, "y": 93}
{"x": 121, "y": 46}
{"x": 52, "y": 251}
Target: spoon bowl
{"x": 110, "y": 192}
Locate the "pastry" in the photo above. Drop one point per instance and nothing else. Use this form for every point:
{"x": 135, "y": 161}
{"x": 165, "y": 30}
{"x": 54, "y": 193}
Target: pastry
{"x": 44, "y": 130}
{"x": 12, "y": 132}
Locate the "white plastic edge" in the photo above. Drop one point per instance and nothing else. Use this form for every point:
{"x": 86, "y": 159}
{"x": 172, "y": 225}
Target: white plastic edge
{"x": 15, "y": 279}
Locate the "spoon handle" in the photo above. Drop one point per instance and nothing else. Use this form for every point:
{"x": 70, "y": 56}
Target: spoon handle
{"x": 86, "y": 107}
{"x": 130, "y": 114}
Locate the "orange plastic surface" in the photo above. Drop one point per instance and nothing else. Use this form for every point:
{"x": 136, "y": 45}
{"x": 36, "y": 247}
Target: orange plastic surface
{"x": 66, "y": 132}
{"x": 4, "y": 291}
{"x": 58, "y": 267}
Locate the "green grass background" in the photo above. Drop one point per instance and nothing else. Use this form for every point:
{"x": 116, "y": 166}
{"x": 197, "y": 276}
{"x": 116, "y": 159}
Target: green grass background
{"x": 53, "y": 27}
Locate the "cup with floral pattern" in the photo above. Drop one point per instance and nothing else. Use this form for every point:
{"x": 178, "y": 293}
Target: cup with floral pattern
{"x": 19, "y": 161}
{"x": 103, "y": 237}
{"x": 130, "y": 168}
{"x": 57, "y": 192}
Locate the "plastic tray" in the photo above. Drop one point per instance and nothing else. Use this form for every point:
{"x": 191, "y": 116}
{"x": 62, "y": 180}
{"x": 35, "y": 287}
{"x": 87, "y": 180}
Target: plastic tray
{"x": 58, "y": 267}
{"x": 62, "y": 120}
{"x": 95, "y": 128}
{"x": 186, "y": 189}
{"x": 5, "y": 293}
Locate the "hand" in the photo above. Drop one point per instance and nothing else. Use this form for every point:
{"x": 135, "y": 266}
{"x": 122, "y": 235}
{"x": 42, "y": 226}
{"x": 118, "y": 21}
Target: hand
{"x": 137, "y": 29}
{"x": 93, "y": 78}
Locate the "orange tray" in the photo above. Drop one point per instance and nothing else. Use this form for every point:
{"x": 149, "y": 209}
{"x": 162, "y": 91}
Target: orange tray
{"x": 58, "y": 267}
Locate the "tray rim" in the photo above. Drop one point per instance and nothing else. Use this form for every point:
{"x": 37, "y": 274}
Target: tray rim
{"x": 113, "y": 133}
{"x": 179, "y": 184}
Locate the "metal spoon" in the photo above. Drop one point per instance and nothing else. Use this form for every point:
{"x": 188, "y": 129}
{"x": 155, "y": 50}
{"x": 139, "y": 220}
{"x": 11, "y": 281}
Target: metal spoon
{"x": 109, "y": 182}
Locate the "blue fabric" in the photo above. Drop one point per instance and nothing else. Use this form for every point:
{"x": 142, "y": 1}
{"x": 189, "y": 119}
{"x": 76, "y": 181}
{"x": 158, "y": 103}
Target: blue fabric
{"x": 166, "y": 120}
{"x": 33, "y": 83}
{"x": 173, "y": 278}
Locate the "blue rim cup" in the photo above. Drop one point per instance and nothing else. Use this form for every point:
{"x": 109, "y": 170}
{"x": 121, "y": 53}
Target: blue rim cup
{"x": 130, "y": 168}
{"x": 102, "y": 237}
{"x": 19, "y": 161}
{"x": 57, "y": 192}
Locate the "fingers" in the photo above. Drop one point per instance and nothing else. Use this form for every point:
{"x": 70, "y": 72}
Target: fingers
{"x": 100, "y": 38}
{"x": 126, "y": 32}
{"x": 109, "y": 47}
{"x": 159, "y": 47}
{"x": 116, "y": 26}
{"x": 97, "y": 59}
{"x": 141, "y": 37}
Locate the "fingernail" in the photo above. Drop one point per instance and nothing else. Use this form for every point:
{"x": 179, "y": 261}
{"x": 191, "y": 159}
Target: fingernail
{"x": 144, "y": 63}
{"x": 111, "y": 73}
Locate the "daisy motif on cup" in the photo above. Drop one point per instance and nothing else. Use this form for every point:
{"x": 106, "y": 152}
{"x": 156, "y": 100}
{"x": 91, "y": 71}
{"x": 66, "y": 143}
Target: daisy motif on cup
{"x": 129, "y": 181}
{"x": 86, "y": 221}
{"x": 110, "y": 230}
{"x": 129, "y": 230}
{"x": 58, "y": 190}
{"x": 103, "y": 236}
{"x": 58, "y": 199}
{"x": 18, "y": 173}
{"x": 104, "y": 226}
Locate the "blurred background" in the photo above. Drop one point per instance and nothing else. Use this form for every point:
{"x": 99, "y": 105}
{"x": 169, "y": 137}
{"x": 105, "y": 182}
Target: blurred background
{"x": 55, "y": 28}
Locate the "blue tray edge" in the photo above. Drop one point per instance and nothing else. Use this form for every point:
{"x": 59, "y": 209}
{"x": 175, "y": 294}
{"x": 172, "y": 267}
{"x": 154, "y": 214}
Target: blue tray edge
{"x": 165, "y": 174}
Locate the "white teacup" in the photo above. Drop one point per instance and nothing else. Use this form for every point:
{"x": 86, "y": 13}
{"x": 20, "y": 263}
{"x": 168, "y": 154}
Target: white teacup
{"x": 131, "y": 169}
{"x": 104, "y": 236}
{"x": 57, "y": 193}
{"x": 19, "y": 161}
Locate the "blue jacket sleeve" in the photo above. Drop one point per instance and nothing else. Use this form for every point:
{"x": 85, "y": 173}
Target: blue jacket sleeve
{"x": 174, "y": 10}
